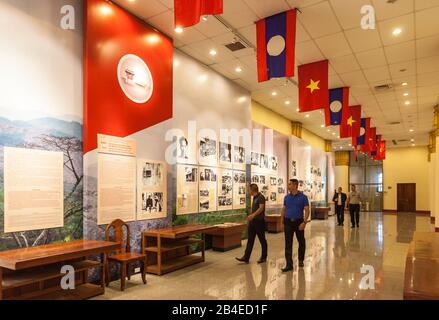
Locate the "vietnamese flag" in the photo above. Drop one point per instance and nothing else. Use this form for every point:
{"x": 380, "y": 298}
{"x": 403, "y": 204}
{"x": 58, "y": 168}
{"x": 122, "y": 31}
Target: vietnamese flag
{"x": 372, "y": 140}
{"x": 189, "y": 12}
{"x": 351, "y": 123}
{"x": 381, "y": 150}
{"x": 313, "y": 86}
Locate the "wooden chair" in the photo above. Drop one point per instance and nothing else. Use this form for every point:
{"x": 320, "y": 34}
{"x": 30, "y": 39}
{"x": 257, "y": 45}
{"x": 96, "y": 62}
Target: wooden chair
{"x": 123, "y": 256}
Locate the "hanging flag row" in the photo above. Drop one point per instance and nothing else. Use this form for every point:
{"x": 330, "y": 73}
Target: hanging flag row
{"x": 276, "y": 54}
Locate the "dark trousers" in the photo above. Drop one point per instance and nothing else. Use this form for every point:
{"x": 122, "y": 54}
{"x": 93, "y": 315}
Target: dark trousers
{"x": 256, "y": 228}
{"x": 291, "y": 228}
{"x": 340, "y": 213}
{"x": 354, "y": 210}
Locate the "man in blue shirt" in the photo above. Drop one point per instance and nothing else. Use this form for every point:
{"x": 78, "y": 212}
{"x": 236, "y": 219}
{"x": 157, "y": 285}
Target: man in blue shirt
{"x": 295, "y": 214}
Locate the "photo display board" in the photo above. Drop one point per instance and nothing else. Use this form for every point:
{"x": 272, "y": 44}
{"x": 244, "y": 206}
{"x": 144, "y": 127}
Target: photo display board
{"x": 208, "y": 189}
{"x": 151, "y": 189}
{"x": 225, "y": 189}
{"x": 239, "y": 190}
{"x": 187, "y": 189}
{"x": 33, "y": 189}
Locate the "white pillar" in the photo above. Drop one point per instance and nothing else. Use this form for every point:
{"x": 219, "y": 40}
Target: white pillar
{"x": 432, "y": 185}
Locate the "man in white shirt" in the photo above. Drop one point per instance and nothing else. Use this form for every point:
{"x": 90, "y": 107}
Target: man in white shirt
{"x": 353, "y": 203}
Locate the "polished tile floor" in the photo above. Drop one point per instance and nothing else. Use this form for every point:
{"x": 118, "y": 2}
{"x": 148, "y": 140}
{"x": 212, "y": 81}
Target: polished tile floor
{"x": 333, "y": 261}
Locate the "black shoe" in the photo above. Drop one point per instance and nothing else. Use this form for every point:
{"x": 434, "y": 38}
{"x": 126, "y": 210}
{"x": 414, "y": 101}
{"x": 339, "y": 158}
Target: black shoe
{"x": 262, "y": 260}
{"x": 287, "y": 269}
{"x": 352, "y": 227}
{"x": 243, "y": 259}
{"x": 358, "y": 225}
{"x": 301, "y": 264}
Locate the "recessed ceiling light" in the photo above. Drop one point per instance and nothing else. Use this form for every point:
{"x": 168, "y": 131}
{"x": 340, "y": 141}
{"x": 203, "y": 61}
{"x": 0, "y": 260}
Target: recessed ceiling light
{"x": 412, "y": 140}
{"x": 406, "y": 94}
{"x": 307, "y": 116}
{"x": 407, "y": 103}
{"x": 179, "y": 29}
{"x": 322, "y": 126}
{"x": 212, "y": 52}
{"x": 411, "y": 130}
{"x": 413, "y": 144}
{"x": 238, "y": 69}
{"x": 274, "y": 93}
{"x": 204, "y": 18}
{"x": 287, "y": 102}
{"x": 298, "y": 109}
{"x": 350, "y": 145}
{"x": 396, "y": 32}
{"x": 333, "y": 133}
{"x": 338, "y": 137}
{"x": 404, "y": 84}
{"x": 328, "y": 130}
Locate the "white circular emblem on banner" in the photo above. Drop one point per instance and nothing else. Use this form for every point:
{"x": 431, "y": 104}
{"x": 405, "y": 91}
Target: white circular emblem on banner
{"x": 362, "y": 131}
{"x": 135, "y": 78}
{"x": 276, "y": 46}
{"x": 335, "y": 106}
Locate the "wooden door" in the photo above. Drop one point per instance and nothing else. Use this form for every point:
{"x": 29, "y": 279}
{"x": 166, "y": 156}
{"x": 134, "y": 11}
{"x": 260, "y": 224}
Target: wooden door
{"x": 406, "y": 196}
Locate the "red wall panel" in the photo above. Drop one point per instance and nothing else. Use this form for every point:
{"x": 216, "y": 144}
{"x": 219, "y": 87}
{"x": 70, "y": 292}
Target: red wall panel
{"x": 110, "y": 34}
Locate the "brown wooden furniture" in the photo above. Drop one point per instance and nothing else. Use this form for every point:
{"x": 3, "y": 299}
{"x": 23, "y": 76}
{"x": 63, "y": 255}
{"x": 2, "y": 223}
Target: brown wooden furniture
{"x": 170, "y": 249}
{"x": 35, "y": 273}
{"x": 406, "y": 197}
{"x": 274, "y": 223}
{"x": 123, "y": 255}
{"x": 422, "y": 267}
{"x": 322, "y": 213}
{"x": 227, "y": 236}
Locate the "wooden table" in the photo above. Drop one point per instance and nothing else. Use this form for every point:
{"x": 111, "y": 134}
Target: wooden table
{"x": 322, "y": 213}
{"x": 35, "y": 273}
{"x": 421, "y": 281}
{"x": 274, "y": 223}
{"x": 170, "y": 249}
{"x": 227, "y": 236}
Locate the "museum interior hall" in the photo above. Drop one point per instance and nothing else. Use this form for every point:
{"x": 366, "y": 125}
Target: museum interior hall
{"x": 254, "y": 150}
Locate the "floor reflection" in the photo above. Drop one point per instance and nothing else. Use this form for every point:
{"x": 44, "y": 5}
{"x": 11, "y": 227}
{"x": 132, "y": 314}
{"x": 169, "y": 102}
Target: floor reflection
{"x": 332, "y": 270}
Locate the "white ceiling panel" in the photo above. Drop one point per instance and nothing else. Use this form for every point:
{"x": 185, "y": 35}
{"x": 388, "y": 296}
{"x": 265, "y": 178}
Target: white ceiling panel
{"x": 319, "y": 20}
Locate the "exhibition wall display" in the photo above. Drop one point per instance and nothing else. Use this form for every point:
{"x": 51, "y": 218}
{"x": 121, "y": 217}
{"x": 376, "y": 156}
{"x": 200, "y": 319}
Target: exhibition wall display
{"x": 44, "y": 112}
{"x": 309, "y": 166}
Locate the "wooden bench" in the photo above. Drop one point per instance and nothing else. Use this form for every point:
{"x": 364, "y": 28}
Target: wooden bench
{"x": 322, "y": 213}
{"x": 274, "y": 223}
{"x": 422, "y": 267}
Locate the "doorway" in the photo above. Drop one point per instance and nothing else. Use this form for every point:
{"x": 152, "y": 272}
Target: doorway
{"x": 406, "y": 197}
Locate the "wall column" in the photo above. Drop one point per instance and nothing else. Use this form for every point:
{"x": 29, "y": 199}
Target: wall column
{"x": 296, "y": 129}
{"x": 432, "y": 174}
{"x": 341, "y": 170}
{"x": 436, "y": 170}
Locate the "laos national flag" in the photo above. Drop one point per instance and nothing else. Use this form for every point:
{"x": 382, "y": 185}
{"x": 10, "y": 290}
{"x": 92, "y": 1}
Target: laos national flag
{"x": 276, "y": 42}
{"x": 338, "y": 100}
{"x": 364, "y": 133}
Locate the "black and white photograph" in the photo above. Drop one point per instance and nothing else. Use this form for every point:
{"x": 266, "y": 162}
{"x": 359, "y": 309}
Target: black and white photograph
{"x": 204, "y": 205}
{"x": 273, "y": 196}
{"x": 183, "y": 149}
{"x": 280, "y": 181}
{"x": 152, "y": 174}
{"x": 274, "y": 163}
{"x": 255, "y": 158}
{"x": 204, "y": 193}
{"x": 152, "y": 202}
{"x": 273, "y": 181}
{"x": 227, "y": 179}
{"x": 207, "y": 148}
{"x": 191, "y": 174}
{"x": 226, "y": 189}
{"x": 239, "y": 177}
{"x": 241, "y": 190}
{"x": 262, "y": 179}
{"x": 294, "y": 169}
{"x": 263, "y": 161}
{"x": 242, "y": 201}
{"x": 255, "y": 179}
{"x": 224, "y": 201}
{"x": 239, "y": 155}
{"x": 225, "y": 152}
{"x": 281, "y": 190}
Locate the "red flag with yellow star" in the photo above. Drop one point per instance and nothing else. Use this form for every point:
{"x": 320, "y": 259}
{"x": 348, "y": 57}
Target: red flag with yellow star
{"x": 351, "y": 123}
{"x": 313, "y": 86}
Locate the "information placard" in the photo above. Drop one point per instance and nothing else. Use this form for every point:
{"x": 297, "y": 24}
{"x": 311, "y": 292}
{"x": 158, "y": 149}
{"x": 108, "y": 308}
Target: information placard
{"x": 34, "y": 189}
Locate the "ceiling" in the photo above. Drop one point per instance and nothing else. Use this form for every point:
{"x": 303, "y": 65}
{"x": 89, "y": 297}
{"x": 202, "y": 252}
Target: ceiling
{"x": 328, "y": 29}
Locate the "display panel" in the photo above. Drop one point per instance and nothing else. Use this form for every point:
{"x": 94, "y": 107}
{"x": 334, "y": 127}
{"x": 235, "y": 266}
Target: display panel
{"x": 116, "y": 188}
{"x": 225, "y": 155}
{"x": 34, "y": 189}
{"x": 186, "y": 151}
{"x": 187, "y": 189}
{"x": 239, "y": 190}
{"x": 208, "y": 152}
{"x": 225, "y": 189}
{"x": 151, "y": 189}
{"x": 239, "y": 158}
{"x": 208, "y": 189}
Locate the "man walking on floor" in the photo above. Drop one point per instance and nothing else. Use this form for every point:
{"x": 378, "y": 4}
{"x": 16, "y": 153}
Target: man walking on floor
{"x": 353, "y": 204}
{"x": 256, "y": 226}
{"x": 340, "y": 201}
{"x": 295, "y": 214}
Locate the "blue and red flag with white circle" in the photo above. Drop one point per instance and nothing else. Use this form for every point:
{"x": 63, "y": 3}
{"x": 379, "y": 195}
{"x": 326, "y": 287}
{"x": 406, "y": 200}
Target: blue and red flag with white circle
{"x": 276, "y": 42}
{"x": 338, "y": 100}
